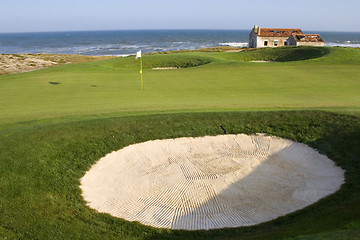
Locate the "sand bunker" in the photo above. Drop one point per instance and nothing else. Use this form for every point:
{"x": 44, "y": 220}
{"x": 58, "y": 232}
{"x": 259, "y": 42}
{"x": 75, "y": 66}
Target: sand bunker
{"x": 209, "y": 182}
{"x": 262, "y": 61}
{"x": 165, "y": 68}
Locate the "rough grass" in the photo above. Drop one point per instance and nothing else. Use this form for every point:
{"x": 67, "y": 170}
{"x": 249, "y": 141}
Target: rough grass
{"x": 40, "y": 170}
{"x": 284, "y": 54}
{"x": 155, "y": 61}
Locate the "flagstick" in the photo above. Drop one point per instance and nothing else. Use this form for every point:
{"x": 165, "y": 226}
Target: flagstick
{"x": 138, "y": 55}
{"x": 142, "y": 85}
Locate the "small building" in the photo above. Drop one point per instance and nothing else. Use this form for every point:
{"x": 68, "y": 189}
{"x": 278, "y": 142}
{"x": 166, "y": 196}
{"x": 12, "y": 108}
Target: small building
{"x": 271, "y": 37}
{"x": 278, "y": 37}
{"x": 306, "y": 40}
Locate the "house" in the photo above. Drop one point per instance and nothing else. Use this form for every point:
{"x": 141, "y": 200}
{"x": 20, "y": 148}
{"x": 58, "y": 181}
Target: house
{"x": 278, "y": 37}
{"x": 306, "y": 40}
{"x": 271, "y": 37}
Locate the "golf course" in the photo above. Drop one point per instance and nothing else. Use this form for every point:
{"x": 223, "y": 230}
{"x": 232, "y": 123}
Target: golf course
{"x": 57, "y": 122}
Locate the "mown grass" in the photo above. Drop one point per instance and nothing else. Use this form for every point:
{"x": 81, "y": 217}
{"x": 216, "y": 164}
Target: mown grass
{"x": 50, "y": 134}
{"x": 41, "y": 167}
{"x": 215, "y": 82}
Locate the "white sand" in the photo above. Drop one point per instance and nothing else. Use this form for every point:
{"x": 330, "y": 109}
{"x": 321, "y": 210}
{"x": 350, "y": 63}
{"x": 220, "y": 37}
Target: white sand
{"x": 209, "y": 182}
{"x": 262, "y": 61}
{"x": 165, "y": 68}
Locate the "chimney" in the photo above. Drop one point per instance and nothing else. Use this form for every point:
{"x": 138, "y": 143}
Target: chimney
{"x": 257, "y": 29}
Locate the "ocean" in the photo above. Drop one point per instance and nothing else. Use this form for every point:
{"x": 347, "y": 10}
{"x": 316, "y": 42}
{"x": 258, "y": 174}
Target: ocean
{"x": 127, "y": 42}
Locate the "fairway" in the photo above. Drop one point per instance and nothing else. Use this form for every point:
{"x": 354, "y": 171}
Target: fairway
{"x": 216, "y": 82}
{"x": 56, "y": 123}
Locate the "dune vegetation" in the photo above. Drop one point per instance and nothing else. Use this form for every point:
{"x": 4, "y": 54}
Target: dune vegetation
{"x": 17, "y": 63}
{"x": 56, "y": 122}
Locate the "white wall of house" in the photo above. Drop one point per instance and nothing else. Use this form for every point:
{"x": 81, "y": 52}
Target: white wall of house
{"x": 271, "y": 41}
{"x": 260, "y": 42}
{"x": 316, "y": 44}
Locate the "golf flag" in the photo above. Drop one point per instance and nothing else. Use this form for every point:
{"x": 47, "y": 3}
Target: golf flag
{"x": 138, "y": 54}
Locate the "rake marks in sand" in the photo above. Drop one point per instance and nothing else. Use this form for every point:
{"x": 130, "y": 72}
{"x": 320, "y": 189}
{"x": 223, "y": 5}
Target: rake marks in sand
{"x": 209, "y": 182}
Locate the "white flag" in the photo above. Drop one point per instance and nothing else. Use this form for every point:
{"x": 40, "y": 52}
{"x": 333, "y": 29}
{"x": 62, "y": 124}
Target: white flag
{"x": 138, "y": 54}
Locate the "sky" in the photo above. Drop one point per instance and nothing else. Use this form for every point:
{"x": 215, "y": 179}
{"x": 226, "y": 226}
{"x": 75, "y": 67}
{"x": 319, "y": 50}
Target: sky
{"x": 83, "y": 15}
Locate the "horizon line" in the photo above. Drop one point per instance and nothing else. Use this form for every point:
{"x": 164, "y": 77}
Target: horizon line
{"x": 162, "y": 29}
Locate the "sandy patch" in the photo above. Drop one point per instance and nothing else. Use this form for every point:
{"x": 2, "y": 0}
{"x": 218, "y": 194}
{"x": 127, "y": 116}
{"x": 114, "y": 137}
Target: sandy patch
{"x": 165, "y": 68}
{"x": 240, "y": 50}
{"x": 261, "y": 61}
{"x": 17, "y": 63}
{"x": 209, "y": 182}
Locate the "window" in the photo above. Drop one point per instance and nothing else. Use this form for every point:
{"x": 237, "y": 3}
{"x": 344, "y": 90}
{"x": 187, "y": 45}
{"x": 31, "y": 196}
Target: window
{"x": 285, "y": 43}
{"x": 276, "y": 43}
{"x": 265, "y": 43}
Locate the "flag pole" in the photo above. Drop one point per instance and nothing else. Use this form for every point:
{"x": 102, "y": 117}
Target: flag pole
{"x": 138, "y": 55}
{"x": 141, "y": 73}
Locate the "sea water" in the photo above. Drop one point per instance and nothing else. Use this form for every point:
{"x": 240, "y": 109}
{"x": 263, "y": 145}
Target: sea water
{"x": 127, "y": 42}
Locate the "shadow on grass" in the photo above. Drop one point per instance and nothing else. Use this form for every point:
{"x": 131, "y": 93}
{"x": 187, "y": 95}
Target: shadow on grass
{"x": 284, "y": 54}
{"x": 54, "y": 83}
{"x": 274, "y": 188}
{"x": 339, "y": 140}
{"x": 302, "y": 53}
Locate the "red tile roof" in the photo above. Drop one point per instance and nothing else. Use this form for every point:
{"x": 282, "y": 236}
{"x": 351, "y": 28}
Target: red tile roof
{"x": 308, "y": 38}
{"x": 278, "y": 32}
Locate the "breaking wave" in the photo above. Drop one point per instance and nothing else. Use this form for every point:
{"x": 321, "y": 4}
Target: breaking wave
{"x": 235, "y": 44}
{"x": 119, "y": 43}
{"x": 349, "y": 44}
